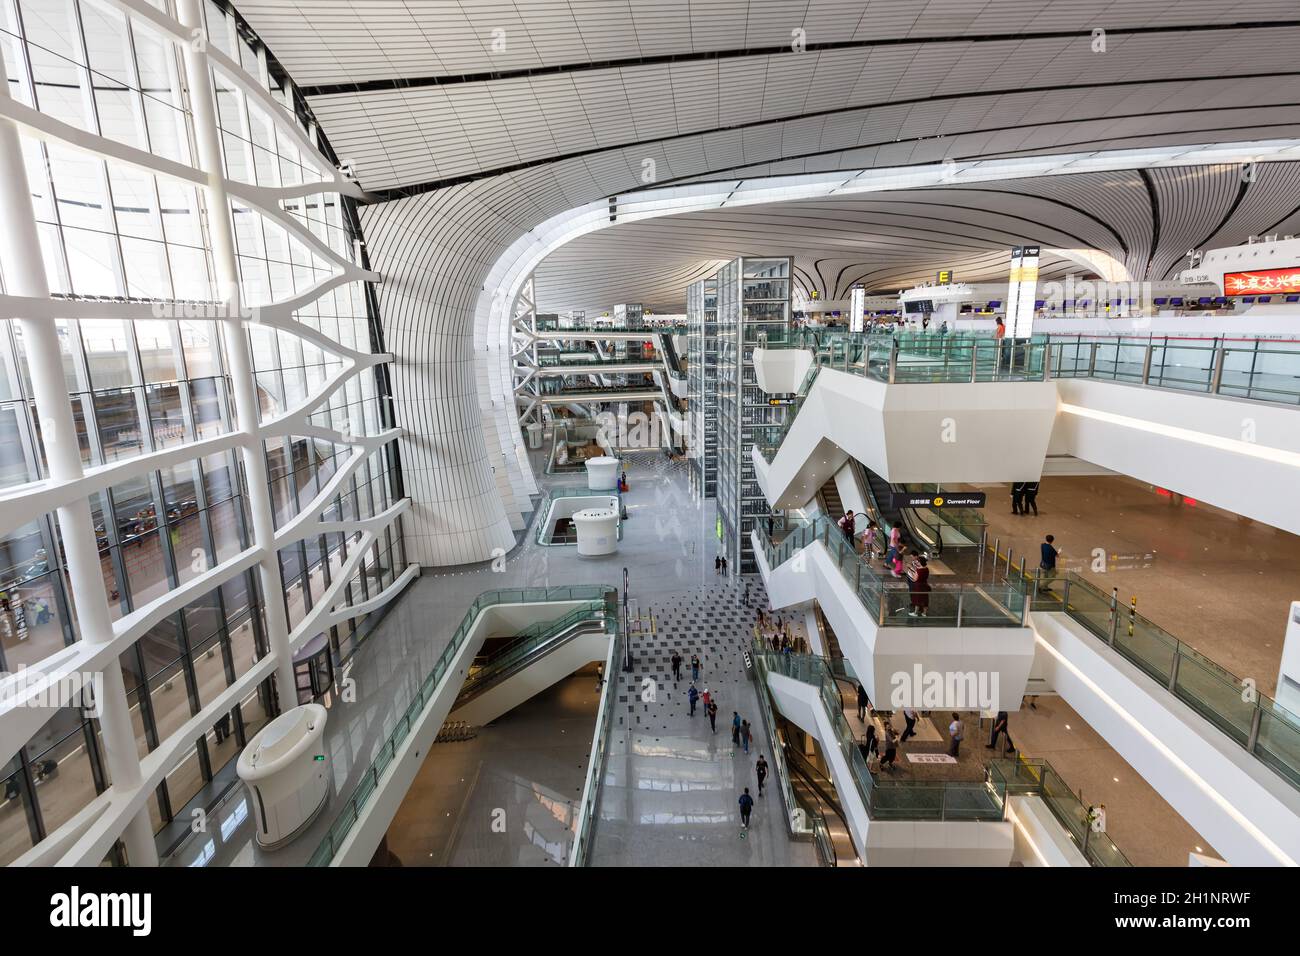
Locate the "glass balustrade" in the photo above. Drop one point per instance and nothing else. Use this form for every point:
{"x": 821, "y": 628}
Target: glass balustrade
{"x": 1255, "y": 721}
{"x": 352, "y": 805}
{"x": 1024, "y": 776}
{"x": 887, "y": 600}
{"x": 883, "y": 799}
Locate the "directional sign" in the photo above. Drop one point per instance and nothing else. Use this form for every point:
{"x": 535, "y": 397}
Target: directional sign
{"x": 943, "y": 499}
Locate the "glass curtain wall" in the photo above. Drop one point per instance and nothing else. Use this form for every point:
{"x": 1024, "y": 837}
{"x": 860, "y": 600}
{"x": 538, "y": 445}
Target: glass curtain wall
{"x": 111, "y": 231}
{"x": 753, "y": 303}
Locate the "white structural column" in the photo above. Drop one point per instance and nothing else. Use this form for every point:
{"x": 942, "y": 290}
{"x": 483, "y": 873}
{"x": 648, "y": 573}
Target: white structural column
{"x": 221, "y": 233}
{"x": 24, "y": 272}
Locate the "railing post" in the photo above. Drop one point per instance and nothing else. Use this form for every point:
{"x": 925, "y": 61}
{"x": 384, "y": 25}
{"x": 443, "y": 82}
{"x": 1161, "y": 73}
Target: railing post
{"x": 984, "y": 542}
{"x": 1092, "y": 361}
{"x": 1253, "y": 737}
{"x": 961, "y": 595}
{"x": 1173, "y": 673}
{"x": 1216, "y": 376}
{"x": 975, "y": 360}
{"x": 893, "y": 360}
{"x": 1146, "y": 363}
{"x": 993, "y": 565}
{"x": 1006, "y": 574}
{"x": 1114, "y": 614}
{"x": 1047, "y": 360}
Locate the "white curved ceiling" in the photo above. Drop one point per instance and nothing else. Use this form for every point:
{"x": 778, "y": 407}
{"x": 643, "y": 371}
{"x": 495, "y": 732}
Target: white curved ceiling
{"x": 467, "y": 149}
{"x": 888, "y": 241}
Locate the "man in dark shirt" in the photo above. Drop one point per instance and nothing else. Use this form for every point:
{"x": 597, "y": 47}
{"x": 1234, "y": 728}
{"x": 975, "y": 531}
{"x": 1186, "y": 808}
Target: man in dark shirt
{"x": 746, "y": 806}
{"x": 1047, "y": 565}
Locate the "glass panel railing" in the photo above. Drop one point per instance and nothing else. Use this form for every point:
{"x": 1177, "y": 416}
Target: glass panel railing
{"x": 1024, "y": 776}
{"x": 487, "y": 670}
{"x": 599, "y": 746}
{"x": 351, "y": 806}
{"x": 890, "y": 601}
{"x": 883, "y": 800}
{"x": 1255, "y": 721}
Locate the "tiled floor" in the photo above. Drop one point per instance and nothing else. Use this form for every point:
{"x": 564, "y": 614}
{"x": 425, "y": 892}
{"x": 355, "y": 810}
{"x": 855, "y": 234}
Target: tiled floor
{"x": 1220, "y": 582}
{"x": 672, "y": 784}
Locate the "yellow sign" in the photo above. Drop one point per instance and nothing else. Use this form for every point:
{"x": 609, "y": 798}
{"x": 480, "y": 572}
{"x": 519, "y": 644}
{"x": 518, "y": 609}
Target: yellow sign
{"x": 938, "y": 502}
{"x": 945, "y": 277}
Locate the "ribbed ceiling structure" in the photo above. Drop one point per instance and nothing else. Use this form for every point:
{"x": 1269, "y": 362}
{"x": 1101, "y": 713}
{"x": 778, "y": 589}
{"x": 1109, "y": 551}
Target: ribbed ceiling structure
{"x": 471, "y": 122}
{"x": 889, "y": 241}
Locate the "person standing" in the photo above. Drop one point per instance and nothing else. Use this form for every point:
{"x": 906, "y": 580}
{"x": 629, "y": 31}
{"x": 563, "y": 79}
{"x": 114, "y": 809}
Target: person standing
{"x": 735, "y": 727}
{"x": 1017, "y": 497}
{"x": 1000, "y": 333}
{"x": 1047, "y": 563}
{"x": 724, "y": 565}
{"x": 895, "y": 542}
{"x": 1031, "y": 498}
{"x": 692, "y": 695}
{"x": 600, "y": 676}
{"x": 920, "y": 588}
{"x": 677, "y": 665}
{"x": 955, "y": 734}
{"x": 891, "y": 747}
{"x": 713, "y": 716}
{"x": 760, "y": 771}
{"x": 695, "y": 668}
{"x": 746, "y": 808}
{"x": 1000, "y": 727}
{"x": 862, "y": 702}
{"x": 869, "y": 540}
{"x": 871, "y": 745}
{"x": 744, "y": 734}
{"x": 717, "y": 565}
{"x": 909, "y": 718}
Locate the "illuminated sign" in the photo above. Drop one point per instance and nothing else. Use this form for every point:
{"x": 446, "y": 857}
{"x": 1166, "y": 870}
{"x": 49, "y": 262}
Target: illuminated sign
{"x": 857, "y": 309}
{"x": 945, "y": 277}
{"x": 1023, "y": 286}
{"x": 1262, "y": 280}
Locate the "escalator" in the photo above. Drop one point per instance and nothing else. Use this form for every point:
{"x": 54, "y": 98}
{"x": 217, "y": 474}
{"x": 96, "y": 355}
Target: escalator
{"x": 828, "y": 499}
{"x": 880, "y": 492}
{"x": 815, "y": 793}
{"x": 487, "y": 692}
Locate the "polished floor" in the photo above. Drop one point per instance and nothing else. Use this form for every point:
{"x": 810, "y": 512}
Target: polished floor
{"x": 1219, "y": 582}
{"x": 510, "y": 795}
{"x": 672, "y": 783}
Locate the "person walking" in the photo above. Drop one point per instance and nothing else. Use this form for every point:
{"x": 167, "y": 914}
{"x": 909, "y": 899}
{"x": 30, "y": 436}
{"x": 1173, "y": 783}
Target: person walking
{"x": 746, "y": 808}
{"x": 891, "y": 747}
{"x": 693, "y": 696}
{"x": 760, "y": 771}
{"x": 1000, "y": 727}
{"x": 695, "y": 668}
{"x": 1000, "y": 333}
{"x": 1031, "y": 498}
{"x": 862, "y": 702}
{"x": 919, "y": 588}
{"x": 909, "y": 718}
{"x": 871, "y": 745}
{"x": 869, "y": 537}
{"x": 895, "y": 543}
{"x": 1017, "y": 497}
{"x": 677, "y": 665}
{"x": 704, "y": 699}
{"x": 735, "y": 727}
{"x": 600, "y": 676}
{"x": 744, "y": 734}
{"x": 712, "y": 711}
{"x": 717, "y": 565}
{"x": 955, "y": 734}
{"x": 724, "y": 565}
{"x": 1047, "y": 564}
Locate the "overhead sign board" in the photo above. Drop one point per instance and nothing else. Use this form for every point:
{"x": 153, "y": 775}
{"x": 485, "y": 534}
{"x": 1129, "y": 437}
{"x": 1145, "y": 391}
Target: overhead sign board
{"x": 857, "y": 309}
{"x": 1021, "y": 290}
{"x": 943, "y": 499}
{"x": 944, "y": 277}
{"x": 1262, "y": 282}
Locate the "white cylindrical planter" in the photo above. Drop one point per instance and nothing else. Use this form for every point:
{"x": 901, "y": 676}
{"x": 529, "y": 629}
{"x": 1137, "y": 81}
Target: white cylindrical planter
{"x": 602, "y": 473}
{"x": 284, "y": 768}
{"x": 597, "y": 530}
